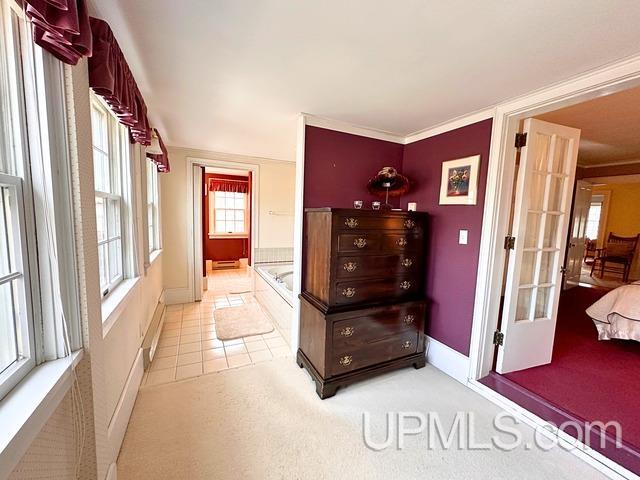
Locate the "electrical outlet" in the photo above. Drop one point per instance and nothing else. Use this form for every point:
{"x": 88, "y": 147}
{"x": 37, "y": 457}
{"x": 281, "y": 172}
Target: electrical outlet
{"x": 463, "y": 237}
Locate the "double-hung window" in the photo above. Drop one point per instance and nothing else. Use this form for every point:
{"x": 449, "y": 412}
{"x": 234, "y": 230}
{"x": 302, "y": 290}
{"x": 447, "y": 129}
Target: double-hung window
{"x": 229, "y": 214}
{"x": 17, "y": 354}
{"x": 153, "y": 224}
{"x": 37, "y": 284}
{"x": 17, "y": 319}
{"x": 111, "y": 158}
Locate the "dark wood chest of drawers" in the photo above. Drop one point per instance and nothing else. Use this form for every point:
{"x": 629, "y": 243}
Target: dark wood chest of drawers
{"x": 362, "y": 305}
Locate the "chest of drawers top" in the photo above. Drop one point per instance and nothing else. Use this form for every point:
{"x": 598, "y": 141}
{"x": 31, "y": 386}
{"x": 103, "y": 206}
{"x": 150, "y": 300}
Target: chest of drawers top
{"x": 351, "y": 219}
{"x": 357, "y": 257}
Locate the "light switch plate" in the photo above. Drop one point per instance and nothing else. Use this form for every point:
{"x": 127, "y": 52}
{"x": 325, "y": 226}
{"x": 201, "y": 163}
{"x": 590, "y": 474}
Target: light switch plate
{"x": 463, "y": 237}
{"x": 411, "y": 206}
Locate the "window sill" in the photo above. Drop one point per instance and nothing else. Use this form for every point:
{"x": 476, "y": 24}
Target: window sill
{"x": 28, "y": 407}
{"x": 114, "y": 304}
{"x": 230, "y": 236}
{"x": 153, "y": 256}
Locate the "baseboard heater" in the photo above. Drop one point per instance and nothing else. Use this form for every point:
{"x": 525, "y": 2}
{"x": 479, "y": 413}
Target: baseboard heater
{"x": 150, "y": 341}
{"x": 223, "y": 264}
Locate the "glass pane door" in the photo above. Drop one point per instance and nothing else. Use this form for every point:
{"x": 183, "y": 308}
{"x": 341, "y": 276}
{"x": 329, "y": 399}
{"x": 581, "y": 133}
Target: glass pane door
{"x": 546, "y": 206}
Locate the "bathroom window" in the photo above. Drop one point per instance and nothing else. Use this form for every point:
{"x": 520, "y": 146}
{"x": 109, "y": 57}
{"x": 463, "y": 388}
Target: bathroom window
{"x": 229, "y": 214}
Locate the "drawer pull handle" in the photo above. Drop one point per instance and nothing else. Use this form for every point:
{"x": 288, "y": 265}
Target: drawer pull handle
{"x": 407, "y": 262}
{"x": 346, "y": 360}
{"x": 348, "y": 292}
{"x": 347, "y": 331}
{"x": 351, "y": 222}
{"x": 409, "y": 223}
{"x": 407, "y": 344}
{"x": 401, "y": 242}
{"x": 405, "y": 285}
{"x": 350, "y": 266}
{"x": 409, "y": 319}
{"x": 360, "y": 242}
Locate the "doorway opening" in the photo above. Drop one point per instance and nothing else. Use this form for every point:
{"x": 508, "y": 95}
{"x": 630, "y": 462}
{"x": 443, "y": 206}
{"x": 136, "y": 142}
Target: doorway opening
{"x": 227, "y": 213}
{"x": 569, "y": 343}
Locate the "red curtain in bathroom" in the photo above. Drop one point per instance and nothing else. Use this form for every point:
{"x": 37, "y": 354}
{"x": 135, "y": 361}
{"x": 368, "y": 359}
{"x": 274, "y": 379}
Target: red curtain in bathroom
{"x": 222, "y": 185}
{"x": 61, "y": 27}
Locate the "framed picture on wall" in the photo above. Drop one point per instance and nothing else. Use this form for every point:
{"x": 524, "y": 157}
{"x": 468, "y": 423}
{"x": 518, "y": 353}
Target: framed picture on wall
{"x": 459, "y": 183}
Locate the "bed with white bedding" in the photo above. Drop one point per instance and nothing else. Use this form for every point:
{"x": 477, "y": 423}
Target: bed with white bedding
{"x": 617, "y": 314}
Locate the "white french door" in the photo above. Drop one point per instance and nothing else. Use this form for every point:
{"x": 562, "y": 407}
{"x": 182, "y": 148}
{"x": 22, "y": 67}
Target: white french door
{"x": 542, "y": 209}
{"x": 578, "y": 233}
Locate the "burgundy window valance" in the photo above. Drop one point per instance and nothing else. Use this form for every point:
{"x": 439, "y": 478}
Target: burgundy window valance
{"x": 223, "y": 185}
{"x": 162, "y": 161}
{"x": 61, "y": 27}
{"x": 111, "y": 78}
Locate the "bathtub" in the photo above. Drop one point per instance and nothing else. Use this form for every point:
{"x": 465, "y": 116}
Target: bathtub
{"x": 273, "y": 289}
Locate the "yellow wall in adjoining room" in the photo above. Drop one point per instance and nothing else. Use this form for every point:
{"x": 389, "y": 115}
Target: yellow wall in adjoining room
{"x": 624, "y": 214}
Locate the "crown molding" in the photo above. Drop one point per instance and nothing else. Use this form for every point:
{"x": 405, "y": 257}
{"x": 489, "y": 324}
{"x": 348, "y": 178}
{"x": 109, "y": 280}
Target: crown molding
{"x": 345, "y": 127}
{"x": 617, "y": 179}
{"x": 611, "y": 164}
{"x": 457, "y": 122}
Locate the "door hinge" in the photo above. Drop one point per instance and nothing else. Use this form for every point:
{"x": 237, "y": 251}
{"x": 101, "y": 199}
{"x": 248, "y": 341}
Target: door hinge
{"x": 509, "y": 242}
{"x": 521, "y": 140}
{"x": 498, "y": 338}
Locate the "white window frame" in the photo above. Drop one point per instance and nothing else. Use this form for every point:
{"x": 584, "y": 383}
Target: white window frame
{"x": 120, "y": 168}
{"x": 33, "y": 137}
{"x": 213, "y": 233}
{"x": 18, "y": 278}
{"x": 153, "y": 208}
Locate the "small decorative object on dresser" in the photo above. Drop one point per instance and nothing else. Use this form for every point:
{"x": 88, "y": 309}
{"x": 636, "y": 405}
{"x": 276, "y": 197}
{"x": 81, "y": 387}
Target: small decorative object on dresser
{"x": 362, "y": 306}
{"x": 388, "y": 183}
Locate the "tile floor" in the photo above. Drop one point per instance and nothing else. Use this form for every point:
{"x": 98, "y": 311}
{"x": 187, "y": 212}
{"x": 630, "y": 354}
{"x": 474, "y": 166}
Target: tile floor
{"x": 188, "y": 344}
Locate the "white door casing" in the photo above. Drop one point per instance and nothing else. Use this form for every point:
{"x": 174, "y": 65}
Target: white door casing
{"x": 197, "y": 230}
{"x": 575, "y": 252}
{"x": 541, "y": 217}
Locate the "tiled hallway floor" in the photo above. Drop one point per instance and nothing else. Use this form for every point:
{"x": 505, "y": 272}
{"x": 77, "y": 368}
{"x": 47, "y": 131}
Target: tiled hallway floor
{"x": 188, "y": 344}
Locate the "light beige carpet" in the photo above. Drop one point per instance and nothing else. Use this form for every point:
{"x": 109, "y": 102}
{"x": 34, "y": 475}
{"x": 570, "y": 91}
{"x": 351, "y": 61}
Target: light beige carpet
{"x": 241, "y": 321}
{"x": 266, "y": 422}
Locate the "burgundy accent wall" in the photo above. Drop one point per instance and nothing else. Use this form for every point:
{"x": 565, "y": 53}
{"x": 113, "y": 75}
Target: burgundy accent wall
{"x": 338, "y": 166}
{"x": 225, "y": 248}
{"x": 451, "y": 268}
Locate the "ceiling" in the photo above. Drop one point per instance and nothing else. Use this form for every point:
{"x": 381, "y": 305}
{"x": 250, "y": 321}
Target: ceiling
{"x": 232, "y": 75}
{"x": 610, "y": 127}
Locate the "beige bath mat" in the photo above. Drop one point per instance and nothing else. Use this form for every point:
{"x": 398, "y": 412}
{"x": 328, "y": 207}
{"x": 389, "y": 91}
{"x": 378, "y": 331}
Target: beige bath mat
{"x": 241, "y": 321}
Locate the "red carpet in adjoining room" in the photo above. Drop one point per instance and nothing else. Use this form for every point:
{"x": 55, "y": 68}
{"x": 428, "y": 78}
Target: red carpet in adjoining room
{"x": 595, "y": 380}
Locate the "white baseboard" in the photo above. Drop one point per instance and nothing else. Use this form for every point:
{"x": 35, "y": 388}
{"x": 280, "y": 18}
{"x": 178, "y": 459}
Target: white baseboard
{"x": 448, "y": 360}
{"x": 177, "y": 295}
{"x": 112, "y": 473}
{"x": 120, "y": 418}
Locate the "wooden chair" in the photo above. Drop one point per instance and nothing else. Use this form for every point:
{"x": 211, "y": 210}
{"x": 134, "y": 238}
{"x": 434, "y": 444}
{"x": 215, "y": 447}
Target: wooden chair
{"x": 590, "y": 251}
{"x": 619, "y": 251}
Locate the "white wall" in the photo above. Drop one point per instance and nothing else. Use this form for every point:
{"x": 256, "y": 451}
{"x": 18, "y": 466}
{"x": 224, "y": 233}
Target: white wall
{"x": 277, "y": 190}
{"x": 276, "y": 193}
